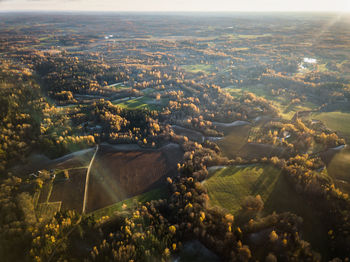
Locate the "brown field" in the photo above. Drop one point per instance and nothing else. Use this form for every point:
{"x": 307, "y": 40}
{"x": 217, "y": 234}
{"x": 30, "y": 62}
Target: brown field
{"x": 47, "y": 210}
{"x": 71, "y": 191}
{"x": 78, "y": 159}
{"x": 45, "y": 192}
{"x": 190, "y": 134}
{"x": 39, "y": 162}
{"x": 119, "y": 174}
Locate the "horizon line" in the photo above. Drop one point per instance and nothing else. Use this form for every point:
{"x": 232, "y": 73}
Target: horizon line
{"x": 169, "y": 11}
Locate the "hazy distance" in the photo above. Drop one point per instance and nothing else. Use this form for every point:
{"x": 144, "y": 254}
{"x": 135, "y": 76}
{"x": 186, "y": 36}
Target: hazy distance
{"x": 178, "y": 5}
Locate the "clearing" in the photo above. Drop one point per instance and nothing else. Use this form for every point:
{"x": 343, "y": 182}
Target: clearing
{"x": 284, "y": 106}
{"x": 198, "y": 68}
{"x": 337, "y": 121}
{"x": 142, "y": 102}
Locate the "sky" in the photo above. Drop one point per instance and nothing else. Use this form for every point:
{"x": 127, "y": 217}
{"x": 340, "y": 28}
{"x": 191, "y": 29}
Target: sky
{"x": 178, "y": 5}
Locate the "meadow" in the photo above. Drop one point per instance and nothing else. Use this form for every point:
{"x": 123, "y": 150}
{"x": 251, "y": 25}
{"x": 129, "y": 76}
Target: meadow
{"x": 338, "y": 168}
{"x": 198, "y": 68}
{"x": 337, "y": 121}
{"x": 235, "y": 138}
{"x": 158, "y": 193}
{"x": 228, "y": 187}
{"x": 141, "y": 102}
{"x": 286, "y": 109}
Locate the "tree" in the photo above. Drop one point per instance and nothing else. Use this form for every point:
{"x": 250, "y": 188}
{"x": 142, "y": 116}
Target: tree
{"x": 251, "y": 203}
{"x": 273, "y": 236}
{"x": 270, "y": 258}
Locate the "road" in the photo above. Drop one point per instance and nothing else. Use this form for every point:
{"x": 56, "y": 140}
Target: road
{"x": 87, "y": 180}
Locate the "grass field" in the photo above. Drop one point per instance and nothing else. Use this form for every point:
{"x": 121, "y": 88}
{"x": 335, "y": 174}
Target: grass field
{"x": 248, "y": 37}
{"x": 338, "y": 168}
{"x": 198, "y": 68}
{"x": 253, "y": 36}
{"x": 158, "y": 193}
{"x": 235, "y": 138}
{"x": 229, "y": 186}
{"x": 337, "y": 121}
{"x": 286, "y": 109}
{"x": 118, "y": 86}
{"x": 143, "y": 102}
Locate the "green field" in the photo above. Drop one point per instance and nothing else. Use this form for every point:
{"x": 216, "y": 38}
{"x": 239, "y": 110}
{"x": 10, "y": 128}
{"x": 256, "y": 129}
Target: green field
{"x": 130, "y": 202}
{"x": 229, "y": 186}
{"x": 142, "y": 102}
{"x": 253, "y": 36}
{"x": 286, "y": 109}
{"x": 248, "y": 37}
{"x": 337, "y": 121}
{"x": 119, "y": 86}
{"x": 339, "y": 169}
{"x": 235, "y": 138}
{"x": 198, "y": 68}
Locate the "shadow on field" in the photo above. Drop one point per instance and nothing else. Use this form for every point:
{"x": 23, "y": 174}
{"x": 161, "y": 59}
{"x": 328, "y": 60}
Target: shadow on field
{"x": 284, "y": 198}
{"x": 119, "y": 174}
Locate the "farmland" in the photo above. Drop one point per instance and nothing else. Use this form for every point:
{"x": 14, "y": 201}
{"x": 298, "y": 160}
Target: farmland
{"x": 128, "y": 203}
{"x": 142, "y": 102}
{"x": 228, "y": 187}
{"x": 286, "y": 109}
{"x": 235, "y": 138}
{"x": 338, "y": 167}
{"x": 117, "y": 175}
{"x": 140, "y": 173}
{"x": 70, "y": 192}
{"x": 63, "y": 193}
{"x": 337, "y": 121}
{"x": 198, "y": 68}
